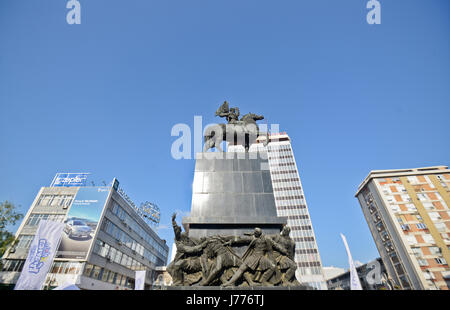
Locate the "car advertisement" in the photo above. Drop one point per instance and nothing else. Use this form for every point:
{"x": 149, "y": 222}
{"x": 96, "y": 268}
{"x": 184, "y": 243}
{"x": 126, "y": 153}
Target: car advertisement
{"x": 82, "y": 221}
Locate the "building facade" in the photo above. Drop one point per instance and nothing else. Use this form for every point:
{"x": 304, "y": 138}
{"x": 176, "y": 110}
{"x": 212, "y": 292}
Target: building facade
{"x": 291, "y": 203}
{"x": 371, "y": 276}
{"x": 332, "y": 272}
{"x": 409, "y": 217}
{"x": 103, "y": 244}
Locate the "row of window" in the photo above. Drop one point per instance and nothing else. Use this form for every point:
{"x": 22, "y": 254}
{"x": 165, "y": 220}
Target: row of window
{"x": 283, "y": 172}
{"x": 66, "y": 267}
{"x": 418, "y": 225}
{"x": 306, "y": 251}
{"x": 298, "y": 217}
{"x": 125, "y": 217}
{"x": 35, "y": 218}
{"x": 427, "y": 238}
{"x": 305, "y": 245}
{"x": 302, "y": 239}
{"x": 301, "y": 233}
{"x": 289, "y": 197}
{"x": 298, "y": 222}
{"x": 291, "y": 207}
{"x": 24, "y": 241}
{"x": 106, "y": 275}
{"x": 114, "y": 255}
{"x": 276, "y": 148}
{"x": 118, "y": 234}
{"x": 14, "y": 265}
{"x": 280, "y": 157}
{"x": 285, "y": 180}
{"x": 309, "y": 264}
{"x": 122, "y": 237}
{"x": 434, "y": 250}
{"x": 289, "y": 188}
{"x": 438, "y": 260}
{"x": 280, "y": 150}
{"x": 307, "y": 271}
{"x": 55, "y": 200}
{"x": 282, "y": 164}
{"x": 306, "y": 227}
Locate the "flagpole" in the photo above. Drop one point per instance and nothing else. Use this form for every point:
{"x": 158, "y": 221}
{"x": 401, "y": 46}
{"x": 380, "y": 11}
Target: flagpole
{"x": 355, "y": 284}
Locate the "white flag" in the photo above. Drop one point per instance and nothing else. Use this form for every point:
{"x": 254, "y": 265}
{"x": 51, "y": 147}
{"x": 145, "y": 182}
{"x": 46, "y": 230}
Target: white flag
{"x": 40, "y": 256}
{"x": 354, "y": 279}
{"x": 139, "y": 281}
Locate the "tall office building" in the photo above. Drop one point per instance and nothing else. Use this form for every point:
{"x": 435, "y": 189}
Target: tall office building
{"x": 409, "y": 217}
{"x": 105, "y": 240}
{"x": 290, "y": 202}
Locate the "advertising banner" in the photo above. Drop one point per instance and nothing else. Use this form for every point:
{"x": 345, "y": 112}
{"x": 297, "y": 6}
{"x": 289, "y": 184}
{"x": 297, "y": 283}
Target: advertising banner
{"x": 139, "y": 281}
{"x": 69, "y": 179}
{"x": 82, "y": 221}
{"x": 40, "y": 256}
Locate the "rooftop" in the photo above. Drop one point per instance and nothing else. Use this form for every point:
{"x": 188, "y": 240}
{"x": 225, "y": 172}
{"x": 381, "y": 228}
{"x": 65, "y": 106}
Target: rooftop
{"x": 401, "y": 172}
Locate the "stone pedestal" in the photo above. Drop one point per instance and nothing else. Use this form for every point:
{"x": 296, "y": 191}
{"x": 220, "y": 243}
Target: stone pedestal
{"x": 232, "y": 195}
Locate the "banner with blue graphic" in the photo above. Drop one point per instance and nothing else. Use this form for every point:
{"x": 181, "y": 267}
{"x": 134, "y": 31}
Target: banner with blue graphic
{"x": 82, "y": 222}
{"x": 40, "y": 256}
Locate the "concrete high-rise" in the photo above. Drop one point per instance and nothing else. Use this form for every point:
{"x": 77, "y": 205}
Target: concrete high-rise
{"x": 291, "y": 203}
{"x": 409, "y": 217}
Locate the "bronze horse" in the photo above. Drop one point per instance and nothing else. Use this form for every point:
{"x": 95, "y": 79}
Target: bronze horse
{"x": 241, "y": 132}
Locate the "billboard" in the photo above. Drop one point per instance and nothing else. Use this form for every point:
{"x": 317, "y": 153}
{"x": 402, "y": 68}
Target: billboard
{"x": 69, "y": 179}
{"x": 82, "y": 221}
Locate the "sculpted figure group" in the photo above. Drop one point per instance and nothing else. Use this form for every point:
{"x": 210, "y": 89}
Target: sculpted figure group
{"x": 211, "y": 261}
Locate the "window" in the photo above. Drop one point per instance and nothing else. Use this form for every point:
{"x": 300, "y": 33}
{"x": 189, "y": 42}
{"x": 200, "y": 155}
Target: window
{"x": 441, "y": 227}
{"x": 440, "y": 261}
{"x": 88, "y": 269}
{"x": 428, "y": 205}
{"x": 15, "y": 265}
{"x": 411, "y": 207}
{"x": 417, "y": 251}
{"x": 428, "y": 238}
{"x": 406, "y": 197}
{"x": 411, "y": 239}
{"x": 24, "y": 241}
{"x": 435, "y": 250}
{"x": 95, "y": 272}
{"x": 422, "y": 197}
{"x": 405, "y": 226}
{"x": 434, "y": 216}
{"x": 421, "y": 226}
{"x": 423, "y": 262}
{"x": 395, "y": 208}
{"x": 412, "y": 179}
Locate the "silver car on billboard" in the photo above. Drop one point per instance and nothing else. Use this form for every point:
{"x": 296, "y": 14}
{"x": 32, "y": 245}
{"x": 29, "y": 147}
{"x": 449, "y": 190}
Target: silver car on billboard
{"x": 77, "y": 229}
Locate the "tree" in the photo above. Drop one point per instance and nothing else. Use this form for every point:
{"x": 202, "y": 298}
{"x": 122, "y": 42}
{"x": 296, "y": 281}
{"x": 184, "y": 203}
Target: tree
{"x": 8, "y": 216}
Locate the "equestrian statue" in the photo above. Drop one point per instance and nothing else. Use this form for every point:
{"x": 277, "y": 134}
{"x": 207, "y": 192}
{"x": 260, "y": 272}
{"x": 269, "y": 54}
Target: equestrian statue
{"x": 242, "y": 131}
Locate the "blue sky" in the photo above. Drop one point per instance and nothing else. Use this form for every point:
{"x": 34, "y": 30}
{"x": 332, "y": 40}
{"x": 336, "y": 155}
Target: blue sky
{"x": 102, "y": 96}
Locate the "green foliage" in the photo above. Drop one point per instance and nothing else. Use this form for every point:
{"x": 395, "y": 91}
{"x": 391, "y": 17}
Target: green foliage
{"x": 8, "y": 216}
